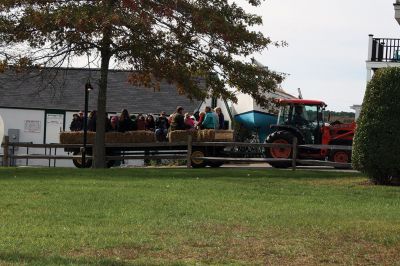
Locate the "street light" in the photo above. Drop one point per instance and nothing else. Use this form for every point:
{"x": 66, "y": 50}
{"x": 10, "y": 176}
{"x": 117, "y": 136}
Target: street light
{"x": 88, "y": 88}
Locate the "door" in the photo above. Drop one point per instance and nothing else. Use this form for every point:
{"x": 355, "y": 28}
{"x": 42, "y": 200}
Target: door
{"x": 54, "y": 124}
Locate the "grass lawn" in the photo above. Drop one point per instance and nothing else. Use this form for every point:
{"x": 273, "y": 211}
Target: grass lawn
{"x": 206, "y": 216}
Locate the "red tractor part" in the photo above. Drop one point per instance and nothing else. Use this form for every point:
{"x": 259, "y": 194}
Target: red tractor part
{"x": 304, "y": 120}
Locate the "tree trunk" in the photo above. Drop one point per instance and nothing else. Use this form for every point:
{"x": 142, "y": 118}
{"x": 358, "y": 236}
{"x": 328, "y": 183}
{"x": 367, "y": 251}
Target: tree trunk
{"x": 99, "y": 150}
{"x": 106, "y": 53}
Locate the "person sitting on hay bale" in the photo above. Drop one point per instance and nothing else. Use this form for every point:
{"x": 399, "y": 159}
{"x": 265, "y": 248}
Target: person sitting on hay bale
{"x": 189, "y": 122}
{"x": 125, "y": 123}
{"x": 178, "y": 120}
{"x": 221, "y": 119}
{"x": 141, "y": 122}
{"x": 150, "y": 123}
{"x": 76, "y": 124}
{"x": 91, "y": 126}
{"x": 200, "y": 120}
{"x": 209, "y": 121}
{"x": 114, "y": 124}
{"x": 162, "y": 127}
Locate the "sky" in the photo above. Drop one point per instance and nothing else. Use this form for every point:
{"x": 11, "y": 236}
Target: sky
{"x": 327, "y": 45}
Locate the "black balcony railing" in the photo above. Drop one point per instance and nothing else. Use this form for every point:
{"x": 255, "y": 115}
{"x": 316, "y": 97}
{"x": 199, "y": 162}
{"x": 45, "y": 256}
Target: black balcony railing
{"x": 385, "y": 50}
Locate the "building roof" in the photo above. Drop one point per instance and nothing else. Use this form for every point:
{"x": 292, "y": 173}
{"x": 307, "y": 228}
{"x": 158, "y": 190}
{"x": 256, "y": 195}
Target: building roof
{"x": 63, "y": 89}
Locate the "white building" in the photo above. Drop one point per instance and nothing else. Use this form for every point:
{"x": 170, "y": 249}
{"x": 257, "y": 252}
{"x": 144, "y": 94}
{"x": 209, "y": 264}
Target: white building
{"x": 382, "y": 52}
{"x": 357, "y": 108}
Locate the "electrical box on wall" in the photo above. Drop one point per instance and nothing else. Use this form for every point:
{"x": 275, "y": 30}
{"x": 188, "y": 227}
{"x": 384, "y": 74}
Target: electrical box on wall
{"x": 13, "y": 135}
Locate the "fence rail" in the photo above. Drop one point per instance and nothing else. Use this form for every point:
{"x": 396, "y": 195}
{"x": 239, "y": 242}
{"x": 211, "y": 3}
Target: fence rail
{"x": 183, "y": 151}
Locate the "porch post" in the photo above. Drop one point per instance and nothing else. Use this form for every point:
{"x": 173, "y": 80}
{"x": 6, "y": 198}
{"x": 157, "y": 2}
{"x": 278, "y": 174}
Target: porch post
{"x": 370, "y": 44}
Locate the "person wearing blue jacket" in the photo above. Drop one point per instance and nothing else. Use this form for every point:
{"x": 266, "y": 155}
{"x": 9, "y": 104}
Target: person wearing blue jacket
{"x": 209, "y": 119}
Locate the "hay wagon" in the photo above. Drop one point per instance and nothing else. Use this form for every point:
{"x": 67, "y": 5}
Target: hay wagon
{"x": 144, "y": 143}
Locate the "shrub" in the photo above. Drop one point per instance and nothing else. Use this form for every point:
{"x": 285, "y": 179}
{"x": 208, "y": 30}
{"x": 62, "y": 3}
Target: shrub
{"x": 376, "y": 150}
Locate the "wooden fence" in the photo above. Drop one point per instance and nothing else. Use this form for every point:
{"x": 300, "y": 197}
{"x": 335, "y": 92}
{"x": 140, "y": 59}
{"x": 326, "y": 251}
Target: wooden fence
{"x": 177, "y": 150}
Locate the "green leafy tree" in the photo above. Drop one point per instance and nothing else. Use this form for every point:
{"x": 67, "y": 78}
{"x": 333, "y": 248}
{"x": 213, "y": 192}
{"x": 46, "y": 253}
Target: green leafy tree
{"x": 172, "y": 40}
{"x": 376, "y": 143}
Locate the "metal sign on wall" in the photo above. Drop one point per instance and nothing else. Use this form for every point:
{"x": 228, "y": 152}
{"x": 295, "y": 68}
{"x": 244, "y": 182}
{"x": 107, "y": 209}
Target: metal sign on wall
{"x": 55, "y": 119}
{"x": 33, "y": 126}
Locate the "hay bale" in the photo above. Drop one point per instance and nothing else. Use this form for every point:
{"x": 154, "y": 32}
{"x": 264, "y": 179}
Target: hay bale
{"x": 182, "y": 135}
{"x": 76, "y": 137}
{"x": 206, "y": 135}
{"x": 223, "y": 135}
{"x": 117, "y": 137}
{"x": 141, "y": 136}
{"x": 66, "y": 137}
{"x": 110, "y": 137}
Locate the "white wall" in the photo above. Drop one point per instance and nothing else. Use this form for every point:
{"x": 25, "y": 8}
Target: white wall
{"x": 245, "y": 104}
{"x": 1, "y": 130}
{"x": 21, "y": 119}
{"x": 68, "y": 119}
{"x": 30, "y": 124}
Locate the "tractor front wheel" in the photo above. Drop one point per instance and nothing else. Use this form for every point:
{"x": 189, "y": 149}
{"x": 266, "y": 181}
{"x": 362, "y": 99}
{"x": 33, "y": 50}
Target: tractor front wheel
{"x": 340, "y": 156}
{"x": 279, "y": 137}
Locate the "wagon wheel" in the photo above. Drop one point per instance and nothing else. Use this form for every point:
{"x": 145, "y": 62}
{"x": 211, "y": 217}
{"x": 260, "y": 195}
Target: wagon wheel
{"x": 198, "y": 163}
{"x": 78, "y": 161}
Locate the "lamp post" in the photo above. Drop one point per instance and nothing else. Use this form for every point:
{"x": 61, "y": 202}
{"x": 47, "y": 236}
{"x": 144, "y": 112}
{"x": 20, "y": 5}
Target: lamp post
{"x": 88, "y": 87}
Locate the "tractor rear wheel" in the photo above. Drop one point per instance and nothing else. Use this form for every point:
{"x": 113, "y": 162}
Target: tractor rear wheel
{"x": 279, "y": 137}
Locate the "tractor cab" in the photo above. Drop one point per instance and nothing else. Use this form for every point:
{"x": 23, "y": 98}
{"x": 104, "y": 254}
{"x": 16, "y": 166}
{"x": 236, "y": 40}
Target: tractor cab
{"x": 303, "y": 118}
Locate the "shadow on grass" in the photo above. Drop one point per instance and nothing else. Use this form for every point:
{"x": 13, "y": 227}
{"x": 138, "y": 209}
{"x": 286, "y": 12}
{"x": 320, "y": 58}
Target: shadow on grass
{"x": 159, "y": 173}
{"x": 17, "y": 258}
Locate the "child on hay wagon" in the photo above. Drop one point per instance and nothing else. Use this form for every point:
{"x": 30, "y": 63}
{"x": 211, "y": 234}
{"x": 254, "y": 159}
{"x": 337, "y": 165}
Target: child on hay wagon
{"x": 200, "y": 120}
{"x": 189, "y": 122}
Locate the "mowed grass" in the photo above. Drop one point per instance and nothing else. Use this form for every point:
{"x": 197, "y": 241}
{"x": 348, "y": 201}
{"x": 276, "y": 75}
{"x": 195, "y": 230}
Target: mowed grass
{"x": 206, "y": 216}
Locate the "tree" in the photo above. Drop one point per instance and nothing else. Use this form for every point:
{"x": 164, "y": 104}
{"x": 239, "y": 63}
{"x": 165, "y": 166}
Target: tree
{"x": 376, "y": 143}
{"x": 177, "y": 41}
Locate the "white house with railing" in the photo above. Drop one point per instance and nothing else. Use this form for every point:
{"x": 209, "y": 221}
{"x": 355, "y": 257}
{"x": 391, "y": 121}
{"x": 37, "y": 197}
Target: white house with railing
{"x": 383, "y": 52}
